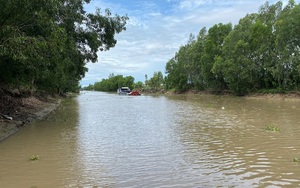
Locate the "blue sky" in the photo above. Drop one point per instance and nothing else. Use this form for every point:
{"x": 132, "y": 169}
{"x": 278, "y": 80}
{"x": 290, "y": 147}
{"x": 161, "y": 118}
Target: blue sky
{"x": 155, "y": 31}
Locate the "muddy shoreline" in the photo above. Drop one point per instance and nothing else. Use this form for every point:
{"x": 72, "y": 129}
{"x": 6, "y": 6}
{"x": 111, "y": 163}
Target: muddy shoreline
{"x": 293, "y": 96}
{"x": 25, "y": 112}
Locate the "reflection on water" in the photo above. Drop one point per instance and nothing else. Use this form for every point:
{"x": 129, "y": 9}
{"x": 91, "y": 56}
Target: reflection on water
{"x": 107, "y": 140}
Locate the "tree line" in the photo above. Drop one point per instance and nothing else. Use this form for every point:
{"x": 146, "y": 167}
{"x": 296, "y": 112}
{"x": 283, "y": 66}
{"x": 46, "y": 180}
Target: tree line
{"x": 260, "y": 53}
{"x": 113, "y": 82}
{"x": 45, "y": 44}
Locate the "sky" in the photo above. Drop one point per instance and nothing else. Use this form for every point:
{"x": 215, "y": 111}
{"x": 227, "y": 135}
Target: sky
{"x": 155, "y": 31}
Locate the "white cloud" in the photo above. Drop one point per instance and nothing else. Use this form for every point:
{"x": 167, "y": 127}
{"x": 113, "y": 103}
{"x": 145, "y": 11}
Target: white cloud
{"x": 192, "y": 4}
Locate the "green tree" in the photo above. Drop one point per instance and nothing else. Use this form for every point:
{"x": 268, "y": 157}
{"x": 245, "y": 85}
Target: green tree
{"x": 260, "y": 52}
{"x": 196, "y": 53}
{"x": 157, "y": 81}
{"x": 236, "y": 64}
{"x": 287, "y": 69}
{"x": 212, "y": 49}
{"x": 138, "y": 85}
{"x": 46, "y": 44}
{"x": 90, "y": 87}
{"x": 177, "y": 76}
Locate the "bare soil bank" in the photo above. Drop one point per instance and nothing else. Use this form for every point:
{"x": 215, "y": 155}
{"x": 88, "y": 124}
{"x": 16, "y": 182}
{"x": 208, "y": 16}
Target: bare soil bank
{"x": 16, "y": 111}
{"x": 294, "y": 96}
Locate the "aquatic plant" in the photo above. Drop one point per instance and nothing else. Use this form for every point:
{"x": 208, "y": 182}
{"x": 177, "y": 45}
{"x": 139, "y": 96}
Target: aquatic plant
{"x": 272, "y": 128}
{"x": 296, "y": 159}
{"x": 34, "y": 157}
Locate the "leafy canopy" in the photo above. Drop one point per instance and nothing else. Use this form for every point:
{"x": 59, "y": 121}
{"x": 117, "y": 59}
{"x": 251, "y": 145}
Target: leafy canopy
{"x": 45, "y": 44}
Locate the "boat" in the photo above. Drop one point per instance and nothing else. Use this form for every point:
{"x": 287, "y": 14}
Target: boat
{"x": 134, "y": 93}
{"x": 123, "y": 91}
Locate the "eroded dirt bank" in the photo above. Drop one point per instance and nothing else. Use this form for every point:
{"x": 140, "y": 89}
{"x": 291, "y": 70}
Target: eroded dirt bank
{"x": 17, "y": 111}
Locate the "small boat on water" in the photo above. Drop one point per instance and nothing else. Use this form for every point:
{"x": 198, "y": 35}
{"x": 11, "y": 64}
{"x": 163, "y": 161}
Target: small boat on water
{"x": 134, "y": 93}
{"x": 123, "y": 91}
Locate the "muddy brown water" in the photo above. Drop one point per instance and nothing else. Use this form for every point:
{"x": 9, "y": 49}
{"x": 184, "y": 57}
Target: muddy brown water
{"x": 106, "y": 140}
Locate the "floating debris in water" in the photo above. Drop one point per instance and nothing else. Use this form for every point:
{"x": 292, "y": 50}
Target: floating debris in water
{"x": 34, "y": 157}
{"x": 272, "y": 128}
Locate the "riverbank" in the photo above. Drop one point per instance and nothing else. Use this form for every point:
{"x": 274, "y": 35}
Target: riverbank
{"x": 17, "y": 112}
{"x": 264, "y": 96}
{"x": 293, "y": 96}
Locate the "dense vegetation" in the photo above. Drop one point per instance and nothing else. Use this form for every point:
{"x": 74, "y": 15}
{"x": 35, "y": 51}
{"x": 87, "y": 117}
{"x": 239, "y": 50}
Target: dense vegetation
{"x": 112, "y": 83}
{"x": 45, "y": 44}
{"x": 260, "y": 53}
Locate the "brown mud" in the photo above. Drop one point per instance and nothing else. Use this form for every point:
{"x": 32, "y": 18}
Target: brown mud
{"x": 17, "y": 111}
{"x": 294, "y": 96}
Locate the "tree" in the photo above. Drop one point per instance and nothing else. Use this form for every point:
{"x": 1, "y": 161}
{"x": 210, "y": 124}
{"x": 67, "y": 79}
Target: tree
{"x": 261, "y": 52}
{"x": 196, "y": 52}
{"x": 235, "y": 64}
{"x": 177, "y": 77}
{"x": 48, "y": 43}
{"x": 156, "y": 82}
{"x": 212, "y": 49}
{"x": 287, "y": 69}
{"x": 138, "y": 85}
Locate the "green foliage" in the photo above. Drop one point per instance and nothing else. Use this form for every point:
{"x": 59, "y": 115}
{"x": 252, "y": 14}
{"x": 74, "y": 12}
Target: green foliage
{"x": 156, "y": 82}
{"x": 272, "y": 128}
{"x": 113, "y": 83}
{"x": 296, "y": 159}
{"x": 138, "y": 85}
{"x": 261, "y": 52}
{"x": 34, "y": 158}
{"x": 177, "y": 70}
{"x": 90, "y": 87}
{"x": 45, "y": 45}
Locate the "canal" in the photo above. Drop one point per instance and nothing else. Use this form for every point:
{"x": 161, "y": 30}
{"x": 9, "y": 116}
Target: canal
{"x": 105, "y": 140}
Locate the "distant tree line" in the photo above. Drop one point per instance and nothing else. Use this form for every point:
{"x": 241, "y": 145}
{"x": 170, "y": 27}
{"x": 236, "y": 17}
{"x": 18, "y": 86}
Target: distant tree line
{"x": 260, "y": 53}
{"x": 45, "y": 45}
{"x": 113, "y": 82}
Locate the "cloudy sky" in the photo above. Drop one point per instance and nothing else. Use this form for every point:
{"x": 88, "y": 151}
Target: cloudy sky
{"x": 155, "y": 31}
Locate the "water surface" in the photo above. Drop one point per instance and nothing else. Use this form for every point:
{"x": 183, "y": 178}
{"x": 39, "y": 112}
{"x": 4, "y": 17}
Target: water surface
{"x": 106, "y": 140}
